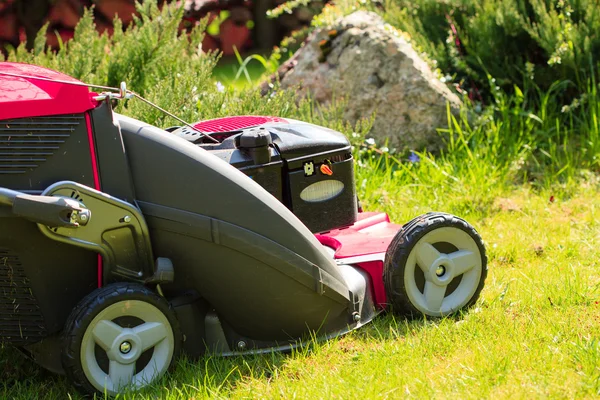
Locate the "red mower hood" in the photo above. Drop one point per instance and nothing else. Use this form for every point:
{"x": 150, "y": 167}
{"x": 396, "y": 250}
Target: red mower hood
{"x": 230, "y": 124}
{"x": 22, "y": 97}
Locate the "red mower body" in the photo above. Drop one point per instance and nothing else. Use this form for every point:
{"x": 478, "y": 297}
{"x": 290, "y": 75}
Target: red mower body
{"x": 25, "y": 97}
{"x": 364, "y": 244}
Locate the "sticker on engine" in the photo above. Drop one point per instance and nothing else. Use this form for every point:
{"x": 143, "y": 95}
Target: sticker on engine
{"x": 309, "y": 168}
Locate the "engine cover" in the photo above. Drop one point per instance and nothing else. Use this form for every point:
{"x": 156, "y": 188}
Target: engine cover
{"x": 307, "y": 167}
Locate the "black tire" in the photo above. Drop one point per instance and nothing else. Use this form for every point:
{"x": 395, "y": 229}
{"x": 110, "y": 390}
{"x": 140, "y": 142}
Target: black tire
{"x": 89, "y": 308}
{"x": 398, "y": 268}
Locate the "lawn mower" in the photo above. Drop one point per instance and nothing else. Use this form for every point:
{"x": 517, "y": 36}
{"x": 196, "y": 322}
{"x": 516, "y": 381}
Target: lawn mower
{"x": 123, "y": 246}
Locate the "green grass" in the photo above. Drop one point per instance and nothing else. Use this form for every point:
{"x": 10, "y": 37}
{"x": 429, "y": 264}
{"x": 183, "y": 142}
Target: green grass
{"x": 230, "y": 73}
{"x": 535, "y": 333}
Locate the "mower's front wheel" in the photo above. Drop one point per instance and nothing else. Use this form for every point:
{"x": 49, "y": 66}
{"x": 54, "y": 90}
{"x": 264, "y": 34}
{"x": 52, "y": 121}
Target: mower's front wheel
{"x": 120, "y": 337}
{"x": 435, "y": 266}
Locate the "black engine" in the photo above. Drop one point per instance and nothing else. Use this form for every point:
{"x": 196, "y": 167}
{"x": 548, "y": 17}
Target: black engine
{"x": 307, "y": 167}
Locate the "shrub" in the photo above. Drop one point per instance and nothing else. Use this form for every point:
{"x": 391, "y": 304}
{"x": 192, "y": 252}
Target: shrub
{"x": 532, "y": 64}
{"x": 528, "y": 43}
{"x": 166, "y": 67}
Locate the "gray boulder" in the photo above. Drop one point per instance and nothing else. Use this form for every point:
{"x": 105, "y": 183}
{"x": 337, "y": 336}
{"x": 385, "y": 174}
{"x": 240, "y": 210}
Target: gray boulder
{"x": 369, "y": 63}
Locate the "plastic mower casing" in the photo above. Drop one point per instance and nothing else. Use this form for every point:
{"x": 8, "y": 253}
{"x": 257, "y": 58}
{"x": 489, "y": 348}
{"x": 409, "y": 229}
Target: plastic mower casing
{"x": 123, "y": 245}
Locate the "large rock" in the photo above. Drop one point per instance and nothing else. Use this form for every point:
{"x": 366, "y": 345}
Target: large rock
{"x": 369, "y": 63}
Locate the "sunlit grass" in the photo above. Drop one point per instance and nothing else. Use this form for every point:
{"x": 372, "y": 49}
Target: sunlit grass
{"x": 239, "y": 75}
{"x": 538, "y": 319}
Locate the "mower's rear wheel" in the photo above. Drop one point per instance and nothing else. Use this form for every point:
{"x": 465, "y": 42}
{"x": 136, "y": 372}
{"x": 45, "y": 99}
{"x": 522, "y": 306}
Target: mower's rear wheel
{"x": 435, "y": 266}
{"x": 119, "y": 338}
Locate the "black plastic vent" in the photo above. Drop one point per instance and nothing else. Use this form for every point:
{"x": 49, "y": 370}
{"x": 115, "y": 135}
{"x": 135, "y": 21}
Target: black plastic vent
{"x": 340, "y": 157}
{"x": 21, "y": 320}
{"x": 26, "y": 143}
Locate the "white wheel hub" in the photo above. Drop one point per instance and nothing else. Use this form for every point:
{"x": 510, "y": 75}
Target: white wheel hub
{"x": 124, "y": 346}
{"x": 441, "y": 269}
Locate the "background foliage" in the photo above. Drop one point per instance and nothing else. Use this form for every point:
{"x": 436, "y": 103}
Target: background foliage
{"x": 528, "y": 43}
{"x": 167, "y": 67}
{"x": 527, "y": 131}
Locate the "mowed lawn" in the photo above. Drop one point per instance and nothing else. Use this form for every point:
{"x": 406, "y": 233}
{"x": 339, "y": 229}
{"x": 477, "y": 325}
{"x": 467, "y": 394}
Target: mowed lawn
{"x": 534, "y": 333}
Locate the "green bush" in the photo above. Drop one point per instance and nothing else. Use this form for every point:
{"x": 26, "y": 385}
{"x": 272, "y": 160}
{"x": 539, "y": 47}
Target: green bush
{"x": 528, "y": 43}
{"x": 150, "y": 56}
{"x": 483, "y": 45}
{"x": 166, "y": 67}
{"x": 529, "y": 67}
